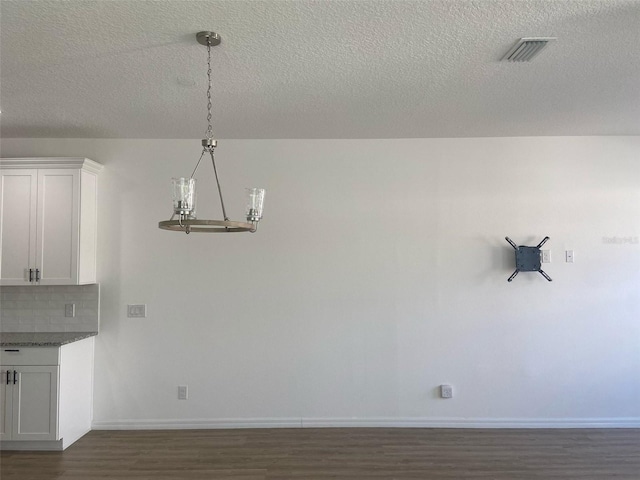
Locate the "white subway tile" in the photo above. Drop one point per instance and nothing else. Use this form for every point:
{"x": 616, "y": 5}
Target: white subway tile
{"x": 42, "y": 307}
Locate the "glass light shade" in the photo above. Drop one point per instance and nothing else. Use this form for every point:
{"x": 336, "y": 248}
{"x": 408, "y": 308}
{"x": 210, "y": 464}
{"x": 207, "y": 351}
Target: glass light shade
{"x": 255, "y": 204}
{"x": 184, "y": 196}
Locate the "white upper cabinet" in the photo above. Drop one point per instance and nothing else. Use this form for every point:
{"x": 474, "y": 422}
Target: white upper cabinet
{"x": 48, "y": 221}
{"x": 18, "y": 197}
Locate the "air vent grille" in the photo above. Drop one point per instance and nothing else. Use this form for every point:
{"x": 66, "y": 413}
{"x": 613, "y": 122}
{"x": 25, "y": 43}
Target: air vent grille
{"x": 526, "y": 48}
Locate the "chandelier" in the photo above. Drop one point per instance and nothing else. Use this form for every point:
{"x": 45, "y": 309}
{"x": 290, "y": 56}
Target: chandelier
{"x": 184, "y": 189}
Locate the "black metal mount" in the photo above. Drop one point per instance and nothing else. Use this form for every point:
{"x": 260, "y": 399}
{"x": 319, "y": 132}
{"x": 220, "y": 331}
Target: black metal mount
{"x": 528, "y": 259}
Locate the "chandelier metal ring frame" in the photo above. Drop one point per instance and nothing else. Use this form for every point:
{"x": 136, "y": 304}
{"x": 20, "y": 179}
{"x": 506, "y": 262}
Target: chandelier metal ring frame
{"x": 211, "y": 226}
{"x": 184, "y": 188}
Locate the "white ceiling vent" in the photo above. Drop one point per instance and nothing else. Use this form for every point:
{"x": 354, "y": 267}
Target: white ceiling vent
{"x": 526, "y": 48}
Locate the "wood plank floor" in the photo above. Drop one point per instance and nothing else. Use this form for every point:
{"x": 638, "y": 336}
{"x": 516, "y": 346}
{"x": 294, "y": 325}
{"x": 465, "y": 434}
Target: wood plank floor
{"x": 354, "y": 453}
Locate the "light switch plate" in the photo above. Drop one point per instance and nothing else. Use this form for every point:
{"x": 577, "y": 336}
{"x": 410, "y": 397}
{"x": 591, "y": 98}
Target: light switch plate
{"x": 70, "y": 310}
{"x": 137, "y": 311}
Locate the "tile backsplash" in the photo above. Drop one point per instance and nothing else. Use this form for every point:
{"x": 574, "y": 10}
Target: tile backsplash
{"x": 42, "y": 309}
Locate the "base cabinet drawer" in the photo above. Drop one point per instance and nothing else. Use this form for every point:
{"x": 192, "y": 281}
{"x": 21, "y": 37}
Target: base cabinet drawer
{"x": 30, "y": 356}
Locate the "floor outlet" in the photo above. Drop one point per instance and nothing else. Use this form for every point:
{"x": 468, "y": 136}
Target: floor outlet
{"x": 183, "y": 392}
{"x": 446, "y": 391}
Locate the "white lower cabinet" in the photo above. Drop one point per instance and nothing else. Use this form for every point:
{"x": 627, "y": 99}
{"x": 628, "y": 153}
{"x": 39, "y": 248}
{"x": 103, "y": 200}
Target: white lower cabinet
{"x": 30, "y": 407}
{"x": 46, "y": 395}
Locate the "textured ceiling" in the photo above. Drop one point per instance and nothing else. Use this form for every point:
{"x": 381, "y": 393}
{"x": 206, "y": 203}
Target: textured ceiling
{"x": 318, "y": 69}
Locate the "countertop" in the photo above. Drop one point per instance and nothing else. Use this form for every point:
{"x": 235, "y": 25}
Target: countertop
{"x": 42, "y": 339}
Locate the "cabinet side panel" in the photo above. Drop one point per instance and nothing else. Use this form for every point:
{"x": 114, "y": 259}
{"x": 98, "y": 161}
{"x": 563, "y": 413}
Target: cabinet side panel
{"x": 58, "y": 216}
{"x": 18, "y": 193}
{"x": 88, "y": 227}
{"x": 76, "y": 390}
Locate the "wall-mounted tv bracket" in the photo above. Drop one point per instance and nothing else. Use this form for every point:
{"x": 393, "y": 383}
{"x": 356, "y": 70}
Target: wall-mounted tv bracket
{"x": 527, "y": 259}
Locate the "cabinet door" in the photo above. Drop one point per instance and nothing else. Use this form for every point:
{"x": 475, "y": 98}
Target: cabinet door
{"x": 18, "y": 197}
{"x": 35, "y": 404}
{"x": 58, "y": 226}
{"x": 6, "y": 402}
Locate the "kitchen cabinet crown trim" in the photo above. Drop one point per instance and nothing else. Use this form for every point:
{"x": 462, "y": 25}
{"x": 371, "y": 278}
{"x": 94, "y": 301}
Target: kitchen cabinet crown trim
{"x": 52, "y": 162}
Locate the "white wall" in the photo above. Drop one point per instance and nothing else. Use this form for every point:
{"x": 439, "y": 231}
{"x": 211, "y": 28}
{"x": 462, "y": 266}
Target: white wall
{"x": 379, "y": 272}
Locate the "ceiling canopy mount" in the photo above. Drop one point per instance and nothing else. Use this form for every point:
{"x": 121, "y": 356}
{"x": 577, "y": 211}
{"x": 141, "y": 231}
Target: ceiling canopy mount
{"x": 208, "y": 38}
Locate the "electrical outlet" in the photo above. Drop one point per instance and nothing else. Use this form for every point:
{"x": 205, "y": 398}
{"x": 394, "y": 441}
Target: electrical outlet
{"x": 545, "y": 256}
{"x": 183, "y": 392}
{"x": 446, "y": 391}
{"x": 137, "y": 311}
{"x": 70, "y": 310}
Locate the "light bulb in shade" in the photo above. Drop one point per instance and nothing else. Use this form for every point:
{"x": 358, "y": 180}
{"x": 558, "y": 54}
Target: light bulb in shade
{"x": 255, "y": 204}
{"x": 184, "y": 196}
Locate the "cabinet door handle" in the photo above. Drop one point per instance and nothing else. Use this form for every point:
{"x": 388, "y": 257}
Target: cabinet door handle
{"x": 15, "y": 377}
{"x": 8, "y": 377}
{"x": 31, "y": 274}
{"x": 37, "y": 274}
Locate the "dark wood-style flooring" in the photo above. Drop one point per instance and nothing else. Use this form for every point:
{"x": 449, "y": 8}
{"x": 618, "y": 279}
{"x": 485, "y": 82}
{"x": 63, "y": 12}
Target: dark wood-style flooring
{"x": 362, "y": 453}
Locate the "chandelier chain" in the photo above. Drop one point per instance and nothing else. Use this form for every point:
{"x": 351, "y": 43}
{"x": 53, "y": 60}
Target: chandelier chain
{"x": 210, "y": 127}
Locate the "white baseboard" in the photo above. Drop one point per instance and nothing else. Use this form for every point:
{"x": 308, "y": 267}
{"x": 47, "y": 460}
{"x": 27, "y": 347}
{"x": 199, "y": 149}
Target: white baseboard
{"x": 376, "y": 422}
{"x": 632, "y": 422}
{"x": 199, "y": 424}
